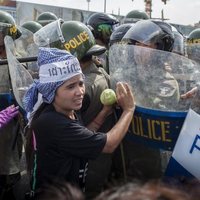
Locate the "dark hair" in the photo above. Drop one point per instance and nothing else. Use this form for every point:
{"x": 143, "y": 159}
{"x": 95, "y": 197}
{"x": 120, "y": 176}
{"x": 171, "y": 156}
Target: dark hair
{"x": 192, "y": 187}
{"x": 61, "y": 191}
{"x": 153, "y": 190}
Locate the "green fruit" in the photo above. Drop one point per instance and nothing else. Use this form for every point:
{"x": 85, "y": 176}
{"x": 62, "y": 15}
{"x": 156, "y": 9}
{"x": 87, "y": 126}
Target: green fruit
{"x": 108, "y": 97}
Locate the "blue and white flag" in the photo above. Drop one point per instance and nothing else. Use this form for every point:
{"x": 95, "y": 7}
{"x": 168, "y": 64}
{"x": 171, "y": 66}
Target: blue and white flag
{"x": 185, "y": 160}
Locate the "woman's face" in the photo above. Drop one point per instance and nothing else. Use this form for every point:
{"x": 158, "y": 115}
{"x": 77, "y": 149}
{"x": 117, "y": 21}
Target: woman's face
{"x": 69, "y": 95}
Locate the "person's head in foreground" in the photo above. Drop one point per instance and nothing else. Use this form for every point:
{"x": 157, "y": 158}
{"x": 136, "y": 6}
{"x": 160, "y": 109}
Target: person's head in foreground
{"x": 60, "y": 190}
{"x": 148, "y": 191}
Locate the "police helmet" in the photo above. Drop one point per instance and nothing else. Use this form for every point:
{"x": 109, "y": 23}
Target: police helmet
{"x": 135, "y": 15}
{"x": 79, "y": 40}
{"x": 194, "y": 37}
{"x": 8, "y": 26}
{"x": 119, "y": 32}
{"x": 193, "y": 45}
{"x": 46, "y": 18}
{"x": 150, "y": 32}
{"x": 103, "y": 25}
{"x": 74, "y": 36}
{"x": 32, "y": 26}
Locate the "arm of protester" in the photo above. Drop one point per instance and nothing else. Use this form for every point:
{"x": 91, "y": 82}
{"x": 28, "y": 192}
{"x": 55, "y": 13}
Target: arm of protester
{"x": 190, "y": 93}
{"x": 100, "y": 118}
{"x": 125, "y": 100}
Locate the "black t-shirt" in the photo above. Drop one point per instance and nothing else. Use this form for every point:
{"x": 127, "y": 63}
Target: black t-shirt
{"x": 63, "y": 145}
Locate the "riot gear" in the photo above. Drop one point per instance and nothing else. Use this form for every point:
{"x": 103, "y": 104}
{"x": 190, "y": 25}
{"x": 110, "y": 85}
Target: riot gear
{"x": 6, "y": 18}
{"x": 74, "y": 36}
{"x": 10, "y": 135}
{"x": 46, "y": 18}
{"x": 149, "y": 32}
{"x": 8, "y": 26}
{"x": 103, "y": 25}
{"x": 119, "y": 32}
{"x": 135, "y": 15}
{"x": 32, "y": 26}
{"x": 193, "y": 45}
{"x": 178, "y": 43}
{"x": 79, "y": 40}
{"x": 194, "y": 37}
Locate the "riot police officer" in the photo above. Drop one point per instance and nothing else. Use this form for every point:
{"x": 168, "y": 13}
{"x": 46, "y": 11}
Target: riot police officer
{"x": 102, "y": 26}
{"x": 10, "y": 139}
{"x": 147, "y": 37}
{"x": 155, "y": 35}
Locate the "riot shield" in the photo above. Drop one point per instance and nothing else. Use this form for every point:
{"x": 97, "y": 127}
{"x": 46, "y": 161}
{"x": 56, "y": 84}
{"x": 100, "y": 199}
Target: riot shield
{"x": 157, "y": 78}
{"x": 20, "y": 75}
{"x": 51, "y": 33}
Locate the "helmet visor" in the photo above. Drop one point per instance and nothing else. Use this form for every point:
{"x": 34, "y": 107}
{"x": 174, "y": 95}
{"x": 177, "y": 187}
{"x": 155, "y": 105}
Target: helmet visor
{"x": 144, "y": 32}
{"x": 49, "y": 34}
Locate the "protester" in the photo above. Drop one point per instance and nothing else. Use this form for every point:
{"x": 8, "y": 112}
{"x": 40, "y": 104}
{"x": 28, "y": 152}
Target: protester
{"x": 96, "y": 80}
{"x": 190, "y": 93}
{"x": 61, "y": 146}
{"x": 193, "y": 50}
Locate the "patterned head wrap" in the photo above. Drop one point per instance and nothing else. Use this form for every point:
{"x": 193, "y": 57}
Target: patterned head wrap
{"x": 55, "y": 67}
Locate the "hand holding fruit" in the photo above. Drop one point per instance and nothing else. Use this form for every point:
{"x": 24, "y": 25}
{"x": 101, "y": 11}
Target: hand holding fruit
{"x": 108, "y": 97}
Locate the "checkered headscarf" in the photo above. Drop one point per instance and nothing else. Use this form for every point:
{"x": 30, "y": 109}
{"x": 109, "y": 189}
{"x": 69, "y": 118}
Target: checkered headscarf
{"x": 56, "y": 66}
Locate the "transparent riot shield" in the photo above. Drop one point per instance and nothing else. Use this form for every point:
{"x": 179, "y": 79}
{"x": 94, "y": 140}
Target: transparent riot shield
{"x": 51, "y": 33}
{"x": 25, "y": 47}
{"x": 20, "y": 75}
{"x": 158, "y": 78}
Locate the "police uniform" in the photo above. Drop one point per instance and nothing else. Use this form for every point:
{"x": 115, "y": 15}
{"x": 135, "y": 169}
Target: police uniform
{"x": 96, "y": 80}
